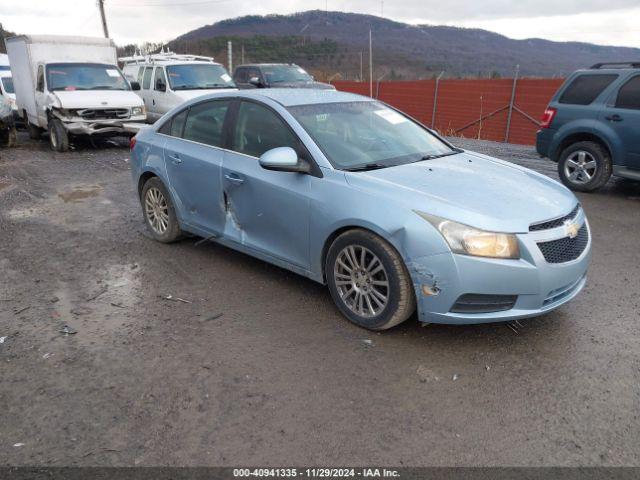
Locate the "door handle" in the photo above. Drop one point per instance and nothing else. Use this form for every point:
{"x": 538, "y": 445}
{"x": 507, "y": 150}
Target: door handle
{"x": 153, "y": 101}
{"x": 175, "y": 159}
{"x": 614, "y": 118}
{"x": 233, "y": 178}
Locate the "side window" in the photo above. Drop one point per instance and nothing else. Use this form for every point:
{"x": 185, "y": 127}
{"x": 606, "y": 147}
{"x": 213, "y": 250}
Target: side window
{"x": 258, "y": 130}
{"x": 629, "y": 94}
{"x": 146, "y": 80}
{"x": 241, "y": 75}
{"x": 40, "y": 85}
{"x": 586, "y": 88}
{"x": 177, "y": 124}
{"x": 253, "y": 72}
{"x": 205, "y": 121}
{"x": 140, "y": 72}
{"x": 160, "y": 80}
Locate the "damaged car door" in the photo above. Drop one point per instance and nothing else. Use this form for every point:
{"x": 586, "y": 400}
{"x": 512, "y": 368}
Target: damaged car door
{"x": 193, "y": 157}
{"x": 266, "y": 210}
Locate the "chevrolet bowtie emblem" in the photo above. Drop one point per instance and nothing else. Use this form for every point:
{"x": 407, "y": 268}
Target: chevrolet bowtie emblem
{"x": 572, "y": 229}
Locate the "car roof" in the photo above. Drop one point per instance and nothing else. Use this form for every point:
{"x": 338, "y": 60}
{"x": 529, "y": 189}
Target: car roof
{"x": 290, "y": 97}
{"x": 169, "y": 63}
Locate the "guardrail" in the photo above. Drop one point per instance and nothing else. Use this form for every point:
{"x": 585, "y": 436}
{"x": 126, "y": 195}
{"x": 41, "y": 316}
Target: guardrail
{"x": 503, "y": 110}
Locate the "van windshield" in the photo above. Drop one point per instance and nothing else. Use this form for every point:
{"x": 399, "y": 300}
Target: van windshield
{"x": 198, "y": 77}
{"x": 7, "y": 84}
{"x": 84, "y": 76}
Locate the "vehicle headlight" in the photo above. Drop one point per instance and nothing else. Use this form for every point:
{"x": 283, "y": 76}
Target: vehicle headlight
{"x": 467, "y": 240}
{"x": 137, "y": 111}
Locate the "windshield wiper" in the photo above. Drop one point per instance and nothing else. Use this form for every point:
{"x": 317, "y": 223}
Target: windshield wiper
{"x": 440, "y": 155}
{"x": 365, "y": 167}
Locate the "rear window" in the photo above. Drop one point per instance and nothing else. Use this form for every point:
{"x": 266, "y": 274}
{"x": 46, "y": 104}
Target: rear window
{"x": 146, "y": 81}
{"x": 586, "y": 88}
{"x": 629, "y": 95}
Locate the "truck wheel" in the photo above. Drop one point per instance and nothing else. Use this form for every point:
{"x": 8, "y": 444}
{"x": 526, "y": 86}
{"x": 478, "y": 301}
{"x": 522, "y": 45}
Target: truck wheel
{"x": 584, "y": 166}
{"x": 34, "y": 132}
{"x": 369, "y": 281}
{"x": 58, "y": 136}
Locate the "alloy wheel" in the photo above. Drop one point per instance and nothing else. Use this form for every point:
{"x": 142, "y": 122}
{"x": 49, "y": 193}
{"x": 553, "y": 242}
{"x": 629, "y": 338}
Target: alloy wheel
{"x": 157, "y": 210}
{"x": 580, "y": 167}
{"x": 361, "y": 280}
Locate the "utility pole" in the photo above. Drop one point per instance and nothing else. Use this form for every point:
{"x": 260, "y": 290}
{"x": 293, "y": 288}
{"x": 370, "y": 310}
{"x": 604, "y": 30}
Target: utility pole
{"x": 230, "y": 57}
{"x": 511, "y": 101}
{"x": 370, "y": 65}
{"x": 103, "y": 18}
{"x": 361, "y": 73}
{"x": 242, "y": 56}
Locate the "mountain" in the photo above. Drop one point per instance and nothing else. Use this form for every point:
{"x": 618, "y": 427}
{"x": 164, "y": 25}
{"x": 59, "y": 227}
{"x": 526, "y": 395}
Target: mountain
{"x": 333, "y": 42}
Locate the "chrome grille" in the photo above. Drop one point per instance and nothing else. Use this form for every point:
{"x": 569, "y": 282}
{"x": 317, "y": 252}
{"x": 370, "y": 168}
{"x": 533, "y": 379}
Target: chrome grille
{"x": 555, "y": 223}
{"x": 104, "y": 113}
{"x": 567, "y": 248}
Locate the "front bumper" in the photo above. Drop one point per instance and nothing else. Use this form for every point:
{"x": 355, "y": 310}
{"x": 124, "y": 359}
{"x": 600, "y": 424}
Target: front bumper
{"x": 439, "y": 280}
{"x": 133, "y": 125}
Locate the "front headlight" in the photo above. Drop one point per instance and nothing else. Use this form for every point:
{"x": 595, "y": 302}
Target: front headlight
{"x": 471, "y": 241}
{"x": 137, "y": 111}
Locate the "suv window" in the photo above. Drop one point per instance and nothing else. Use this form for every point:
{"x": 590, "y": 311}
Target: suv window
{"x": 40, "y": 85}
{"x": 241, "y": 75}
{"x": 160, "y": 79}
{"x": 586, "y": 88}
{"x": 205, "y": 121}
{"x": 258, "y": 130}
{"x": 629, "y": 94}
{"x": 146, "y": 81}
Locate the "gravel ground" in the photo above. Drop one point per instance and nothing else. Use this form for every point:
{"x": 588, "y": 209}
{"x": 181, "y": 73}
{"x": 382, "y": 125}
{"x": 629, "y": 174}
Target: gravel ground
{"x": 259, "y": 368}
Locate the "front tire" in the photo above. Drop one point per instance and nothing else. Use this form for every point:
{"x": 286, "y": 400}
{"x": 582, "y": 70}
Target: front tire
{"x": 368, "y": 280}
{"x": 584, "y": 166}
{"x": 58, "y": 136}
{"x": 159, "y": 212}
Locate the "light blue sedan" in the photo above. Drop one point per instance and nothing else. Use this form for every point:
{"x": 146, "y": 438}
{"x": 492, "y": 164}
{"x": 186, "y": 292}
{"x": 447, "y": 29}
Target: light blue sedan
{"x": 351, "y": 193}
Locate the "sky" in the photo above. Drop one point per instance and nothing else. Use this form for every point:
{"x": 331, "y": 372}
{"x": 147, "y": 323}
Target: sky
{"x": 605, "y": 22}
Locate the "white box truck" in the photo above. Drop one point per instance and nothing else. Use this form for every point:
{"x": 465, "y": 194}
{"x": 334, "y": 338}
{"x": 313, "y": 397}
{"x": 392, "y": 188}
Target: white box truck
{"x": 72, "y": 86}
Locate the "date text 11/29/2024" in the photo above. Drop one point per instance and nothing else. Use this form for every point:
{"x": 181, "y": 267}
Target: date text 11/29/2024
{"x": 316, "y": 472}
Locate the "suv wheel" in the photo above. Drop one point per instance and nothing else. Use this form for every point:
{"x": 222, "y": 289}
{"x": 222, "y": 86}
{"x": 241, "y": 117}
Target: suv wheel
{"x": 584, "y": 166}
{"x": 368, "y": 281}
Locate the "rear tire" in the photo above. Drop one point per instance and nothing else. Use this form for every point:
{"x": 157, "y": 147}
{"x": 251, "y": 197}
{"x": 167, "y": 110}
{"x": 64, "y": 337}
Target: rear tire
{"x": 369, "y": 281}
{"x": 584, "y": 166}
{"x": 159, "y": 212}
{"x": 58, "y": 136}
{"x": 12, "y": 139}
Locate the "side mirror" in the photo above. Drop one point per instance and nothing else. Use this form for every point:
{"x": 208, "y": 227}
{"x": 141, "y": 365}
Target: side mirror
{"x": 256, "y": 82}
{"x": 161, "y": 86}
{"x": 135, "y": 86}
{"x": 284, "y": 159}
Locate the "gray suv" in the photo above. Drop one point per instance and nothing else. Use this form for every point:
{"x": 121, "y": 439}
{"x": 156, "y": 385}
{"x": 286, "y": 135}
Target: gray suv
{"x": 591, "y": 128}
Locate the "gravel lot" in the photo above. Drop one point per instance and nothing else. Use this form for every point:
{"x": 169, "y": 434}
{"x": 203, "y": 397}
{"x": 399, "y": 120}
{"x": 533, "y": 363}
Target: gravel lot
{"x": 259, "y": 368}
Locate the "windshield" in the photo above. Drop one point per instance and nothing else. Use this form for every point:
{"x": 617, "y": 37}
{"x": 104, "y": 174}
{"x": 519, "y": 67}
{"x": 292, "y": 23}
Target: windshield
{"x": 84, "y": 76}
{"x": 285, "y": 74}
{"x": 361, "y": 134}
{"x": 7, "y": 84}
{"x": 198, "y": 77}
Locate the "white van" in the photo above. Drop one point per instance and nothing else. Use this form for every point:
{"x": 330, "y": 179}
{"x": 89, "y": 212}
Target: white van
{"x": 72, "y": 85}
{"x": 6, "y": 84}
{"x": 168, "y": 79}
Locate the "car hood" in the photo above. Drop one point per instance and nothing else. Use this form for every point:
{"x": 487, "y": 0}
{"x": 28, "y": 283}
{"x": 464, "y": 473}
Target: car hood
{"x": 98, "y": 99}
{"x": 316, "y": 85}
{"x": 189, "y": 94}
{"x": 472, "y": 189}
